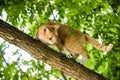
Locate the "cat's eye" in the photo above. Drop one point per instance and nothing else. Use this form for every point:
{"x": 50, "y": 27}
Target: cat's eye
{"x": 50, "y": 38}
{"x": 44, "y": 30}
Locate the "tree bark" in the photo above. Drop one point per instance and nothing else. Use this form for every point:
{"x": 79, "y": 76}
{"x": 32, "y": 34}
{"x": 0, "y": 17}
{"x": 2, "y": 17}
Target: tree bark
{"x": 46, "y": 54}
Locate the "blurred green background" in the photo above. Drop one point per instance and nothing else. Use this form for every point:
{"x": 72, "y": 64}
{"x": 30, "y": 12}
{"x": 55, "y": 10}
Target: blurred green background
{"x": 99, "y": 18}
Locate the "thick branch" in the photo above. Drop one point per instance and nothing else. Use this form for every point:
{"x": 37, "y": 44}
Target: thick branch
{"x": 47, "y": 55}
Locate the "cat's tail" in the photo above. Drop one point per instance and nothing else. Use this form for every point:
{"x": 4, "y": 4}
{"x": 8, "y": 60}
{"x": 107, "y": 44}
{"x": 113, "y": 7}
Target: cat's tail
{"x": 97, "y": 45}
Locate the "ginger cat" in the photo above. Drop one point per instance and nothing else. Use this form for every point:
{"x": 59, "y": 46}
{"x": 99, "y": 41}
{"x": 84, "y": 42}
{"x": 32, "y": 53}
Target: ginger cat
{"x": 60, "y": 35}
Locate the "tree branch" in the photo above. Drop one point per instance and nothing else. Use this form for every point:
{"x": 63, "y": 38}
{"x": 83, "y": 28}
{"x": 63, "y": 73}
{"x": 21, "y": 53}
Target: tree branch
{"x": 47, "y": 55}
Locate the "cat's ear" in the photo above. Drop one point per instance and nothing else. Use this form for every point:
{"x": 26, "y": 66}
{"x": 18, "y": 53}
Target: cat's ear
{"x": 46, "y": 30}
{"x": 53, "y": 25}
{"x": 56, "y": 26}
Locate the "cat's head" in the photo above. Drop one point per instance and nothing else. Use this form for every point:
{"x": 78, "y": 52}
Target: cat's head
{"x": 47, "y": 33}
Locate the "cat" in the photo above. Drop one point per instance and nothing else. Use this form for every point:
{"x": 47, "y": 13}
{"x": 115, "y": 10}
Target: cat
{"x": 61, "y": 36}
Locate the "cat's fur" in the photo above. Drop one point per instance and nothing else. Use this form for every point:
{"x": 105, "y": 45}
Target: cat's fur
{"x": 61, "y": 36}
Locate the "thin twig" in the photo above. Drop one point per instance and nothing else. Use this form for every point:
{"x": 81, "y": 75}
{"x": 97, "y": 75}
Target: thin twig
{"x": 63, "y": 75}
{"x": 52, "y": 11}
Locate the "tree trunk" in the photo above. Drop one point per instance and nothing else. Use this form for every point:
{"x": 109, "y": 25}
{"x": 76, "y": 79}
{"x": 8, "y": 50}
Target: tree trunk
{"x": 47, "y": 55}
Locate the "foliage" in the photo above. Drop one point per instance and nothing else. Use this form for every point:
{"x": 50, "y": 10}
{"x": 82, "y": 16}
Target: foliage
{"x": 99, "y": 18}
